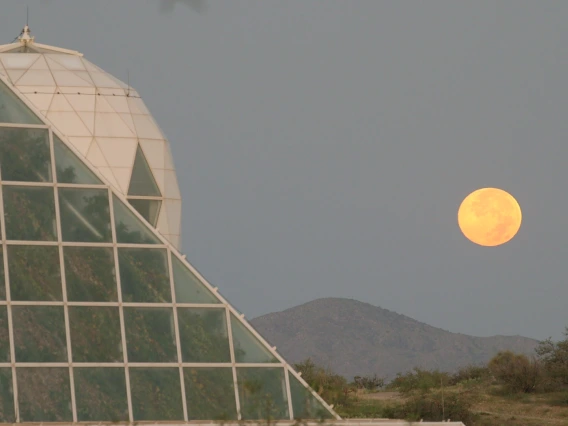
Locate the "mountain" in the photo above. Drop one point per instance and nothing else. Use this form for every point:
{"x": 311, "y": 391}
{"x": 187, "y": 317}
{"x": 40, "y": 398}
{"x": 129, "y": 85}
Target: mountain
{"x": 355, "y": 338}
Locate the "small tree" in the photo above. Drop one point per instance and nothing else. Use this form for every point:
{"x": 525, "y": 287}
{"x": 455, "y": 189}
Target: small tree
{"x": 517, "y": 372}
{"x": 371, "y": 383}
{"x": 554, "y": 356}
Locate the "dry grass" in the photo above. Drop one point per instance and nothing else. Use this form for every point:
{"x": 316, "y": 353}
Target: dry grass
{"x": 495, "y": 408}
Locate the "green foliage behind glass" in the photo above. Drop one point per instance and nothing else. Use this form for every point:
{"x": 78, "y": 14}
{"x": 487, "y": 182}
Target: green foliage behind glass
{"x": 144, "y": 275}
{"x": 90, "y": 274}
{"x": 150, "y": 334}
{"x": 29, "y": 213}
{"x": 210, "y": 394}
{"x": 4, "y": 336}
{"x": 39, "y": 333}
{"x": 44, "y": 394}
{"x": 34, "y": 273}
{"x": 261, "y": 393}
{"x": 203, "y": 335}
{"x": 95, "y": 334}
{"x": 7, "y": 413}
{"x": 100, "y": 394}
{"x": 156, "y": 394}
{"x": 24, "y": 155}
{"x": 85, "y": 215}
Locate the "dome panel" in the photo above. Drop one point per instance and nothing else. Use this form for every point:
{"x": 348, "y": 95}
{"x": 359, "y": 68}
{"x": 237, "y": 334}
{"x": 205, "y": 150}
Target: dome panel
{"x": 69, "y": 123}
{"x": 54, "y": 65}
{"x": 122, "y": 177}
{"x": 72, "y": 63}
{"x": 154, "y": 151}
{"x": 37, "y": 78}
{"x": 60, "y": 103}
{"x": 111, "y": 125}
{"x": 119, "y": 153}
{"x": 82, "y": 144}
{"x": 15, "y": 75}
{"x": 41, "y": 101}
{"x": 118, "y": 103}
{"x": 21, "y": 61}
{"x": 81, "y": 102}
{"x": 146, "y": 127}
{"x": 69, "y": 78}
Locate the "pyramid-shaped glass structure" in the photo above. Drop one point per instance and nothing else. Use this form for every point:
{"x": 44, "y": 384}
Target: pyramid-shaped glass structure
{"x": 102, "y": 319}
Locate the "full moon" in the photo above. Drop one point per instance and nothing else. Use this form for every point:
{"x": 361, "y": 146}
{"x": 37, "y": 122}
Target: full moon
{"x": 489, "y": 217}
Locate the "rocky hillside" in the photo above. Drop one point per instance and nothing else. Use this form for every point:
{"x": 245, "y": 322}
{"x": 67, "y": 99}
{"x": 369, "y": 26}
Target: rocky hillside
{"x": 356, "y": 338}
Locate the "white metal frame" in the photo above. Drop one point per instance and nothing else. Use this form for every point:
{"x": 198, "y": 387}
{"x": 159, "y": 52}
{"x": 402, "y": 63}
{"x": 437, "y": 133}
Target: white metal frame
{"x": 171, "y": 250}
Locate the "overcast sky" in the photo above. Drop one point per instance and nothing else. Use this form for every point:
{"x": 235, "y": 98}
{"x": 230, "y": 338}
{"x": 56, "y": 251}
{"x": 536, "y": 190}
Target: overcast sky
{"x": 323, "y": 146}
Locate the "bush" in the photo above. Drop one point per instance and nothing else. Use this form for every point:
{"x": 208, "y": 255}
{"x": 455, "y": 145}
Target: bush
{"x": 517, "y": 372}
{"x": 554, "y": 357}
{"x": 332, "y": 387}
{"x": 419, "y": 380}
{"x": 432, "y": 407}
{"x": 470, "y": 372}
{"x": 369, "y": 382}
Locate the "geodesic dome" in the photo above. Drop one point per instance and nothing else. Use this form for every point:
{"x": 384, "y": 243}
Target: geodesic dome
{"x": 105, "y": 120}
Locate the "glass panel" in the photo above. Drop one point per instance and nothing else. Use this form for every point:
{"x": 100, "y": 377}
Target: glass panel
{"x": 7, "y": 413}
{"x": 24, "y": 155}
{"x": 13, "y": 110}
{"x": 95, "y": 334}
{"x": 85, "y": 215}
{"x": 69, "y": 168}
{"x": 130, "y": 229}
{"x": 262, "y": 393}
{"x": 90, "y": 274}
{"x": 156, "y": 394}
{"x": 100, "y": 394}
{"x": 149, "y": 209}
{"x": 4, "y": 339}
{"x": 2, "y": 278}
{"x": 34, "y": 273}
{"x": 304, "y": 403}
{"x": 247, "y": 347}
{"x": 39, "y": 333}
{"x": 187, "y": 287}
{"x": 150, "y": 335}
{"x": 210, "y": 393}
{"x": 44, "y": 394}
{"x": 29, "y": 213}
{"x": 203, "y": 335}
{"x": 144, "y": 275}
{"x": 142, "y": 181}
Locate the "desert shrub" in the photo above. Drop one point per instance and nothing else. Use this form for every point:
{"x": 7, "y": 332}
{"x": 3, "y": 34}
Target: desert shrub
{"x": 517, "y": 372}
{"x": 432, "y": 407}
{"x": 468, "y": 373}
{"x": 419, "y": 380}
{"x": 554, "y": 357}
{"x": 369, "y": 382}
{"x": 332, "y": 387}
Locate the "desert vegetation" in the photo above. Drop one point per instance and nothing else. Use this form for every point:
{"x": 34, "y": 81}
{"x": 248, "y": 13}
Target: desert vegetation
{"x": 511, "y": 389}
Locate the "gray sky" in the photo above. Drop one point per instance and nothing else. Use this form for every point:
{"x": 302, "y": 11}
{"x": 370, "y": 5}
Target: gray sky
{"x": 323, "y": 147}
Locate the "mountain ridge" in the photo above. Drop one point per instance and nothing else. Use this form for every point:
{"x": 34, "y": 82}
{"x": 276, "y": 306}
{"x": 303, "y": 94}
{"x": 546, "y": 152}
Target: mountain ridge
{"x": 357, "y": 338}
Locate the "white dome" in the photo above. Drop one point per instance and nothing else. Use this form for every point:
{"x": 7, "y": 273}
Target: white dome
{"x": 105, "y": 120}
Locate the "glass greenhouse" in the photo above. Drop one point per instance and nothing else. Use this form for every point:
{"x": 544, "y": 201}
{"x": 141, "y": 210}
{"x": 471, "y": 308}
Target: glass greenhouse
{"x": 102, "y": 319}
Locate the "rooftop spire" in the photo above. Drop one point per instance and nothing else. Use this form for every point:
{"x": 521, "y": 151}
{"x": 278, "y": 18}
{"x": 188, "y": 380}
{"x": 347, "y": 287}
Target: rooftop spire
{"x": 26, "y": 37}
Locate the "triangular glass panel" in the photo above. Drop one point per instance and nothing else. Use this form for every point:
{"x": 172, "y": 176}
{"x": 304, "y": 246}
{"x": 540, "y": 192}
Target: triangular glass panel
{"x": 70, "y": 169}
{"x": 130, "y": 229}
{"x": 188, "y": 288}
{"x": 248, "y": 349}
{"x": 305, "y": 404}
{"x": 13, "y": 110}
{"x": 142, "y": 181}
{"x": 149, "y": 209}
